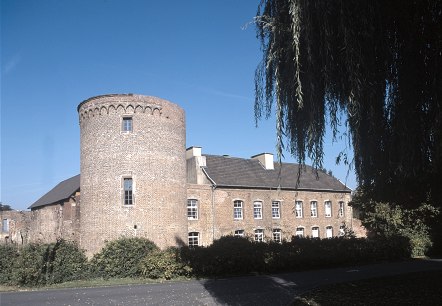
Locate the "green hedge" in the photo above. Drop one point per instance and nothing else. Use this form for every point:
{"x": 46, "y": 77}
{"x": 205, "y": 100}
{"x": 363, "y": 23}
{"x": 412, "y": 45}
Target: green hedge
{"x": 121, "y": 257}
{"x": 42, "y": 264}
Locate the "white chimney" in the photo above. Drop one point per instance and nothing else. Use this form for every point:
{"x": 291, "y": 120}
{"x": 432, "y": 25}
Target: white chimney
{"x": 193, "y": 152}
{"x": 266, "y": 160}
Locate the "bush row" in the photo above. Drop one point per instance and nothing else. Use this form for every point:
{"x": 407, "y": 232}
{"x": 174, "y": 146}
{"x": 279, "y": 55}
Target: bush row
{"x": 42, "y": 264}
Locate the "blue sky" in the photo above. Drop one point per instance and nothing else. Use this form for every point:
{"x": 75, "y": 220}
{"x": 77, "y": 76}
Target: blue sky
{"x": 57, "y": 53}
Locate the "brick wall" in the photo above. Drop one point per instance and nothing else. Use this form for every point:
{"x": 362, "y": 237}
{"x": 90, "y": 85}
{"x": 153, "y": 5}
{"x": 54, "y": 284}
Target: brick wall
{"x": 152, "y": 154}
{"x": 216, "y": 220}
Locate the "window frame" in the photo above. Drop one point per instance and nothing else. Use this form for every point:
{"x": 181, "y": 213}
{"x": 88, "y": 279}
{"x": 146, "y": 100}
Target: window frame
{"x": 238, "y": 206}
{"x": 5, "y": 225}
{"x": 128, "y": 199}
{"x": 127, "y": 128}
{"x": 192, "y": 209}
{"x": 276, "y": 232}
{"x": 329, "y": 229}
{"x": 341, "y": 209}
{"x": 258, "y": 235}
{"x": 298, "y": 230}
{"x": 192, "y": 237}
{"x": 257, "y": 210}
{"x": 315, "y": 228}
{"x": 239, "y": 233}
{"x": 314, "y": 204}
{"x": 276, "y": 209}
{"x": 328, "y": 209}
{"x": 299, "y": 213}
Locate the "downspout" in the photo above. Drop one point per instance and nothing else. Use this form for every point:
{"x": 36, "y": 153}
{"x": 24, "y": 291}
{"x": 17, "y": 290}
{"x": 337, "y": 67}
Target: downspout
{"x": 213, "y": 187}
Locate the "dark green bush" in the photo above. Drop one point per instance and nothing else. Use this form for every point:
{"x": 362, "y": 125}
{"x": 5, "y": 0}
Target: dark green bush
{"x": 8, "y": 255}
{"x": 42, "y": 264}
{"x": 69, "y": 263}
{"x": 121, "y": 257}
{"x": 165, "y": 264}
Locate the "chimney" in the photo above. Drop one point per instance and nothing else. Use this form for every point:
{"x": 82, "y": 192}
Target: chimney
{"x": 266, "y": 160}
{"x": 193, "y": 152}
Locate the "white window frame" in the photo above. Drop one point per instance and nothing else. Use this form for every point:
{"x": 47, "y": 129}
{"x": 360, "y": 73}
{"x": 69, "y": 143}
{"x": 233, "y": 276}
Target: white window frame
{"x": 298, "y": 209}
{"x": 239, "y": 233}
{"x": 300, "y": 231}
{"x": 341, "y": 209}
{"x": 314, "y": 209}
{"x": 259, "y": 235}
{"x": 5, "y": 226}
{"x": 328, "y": 209}
{"x": 277, "y": 235}
{"x": 238, "y": 209}
{"x": 257, "y": 210}
{"x": 192, "y": 209}
{"x": 276, "y": 209}
{"x": 315, "y": 229}
{"x": 194, "y": 239}
{"x": 329, "y": 231}
{"x": 127, "y": 124}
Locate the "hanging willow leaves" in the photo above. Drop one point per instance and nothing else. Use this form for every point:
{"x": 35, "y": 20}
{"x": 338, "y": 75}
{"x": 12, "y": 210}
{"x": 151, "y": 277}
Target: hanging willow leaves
{"x": 377, "y": 62}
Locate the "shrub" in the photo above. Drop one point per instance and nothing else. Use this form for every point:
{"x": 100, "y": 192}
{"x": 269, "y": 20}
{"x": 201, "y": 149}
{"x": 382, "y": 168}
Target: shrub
{"x": 165, "y": 264}
{"x": 69, "y": 263}
{"x": 42, "y": 264}
{"x": 8, "y": 256}
{"x": 121, "y": 257}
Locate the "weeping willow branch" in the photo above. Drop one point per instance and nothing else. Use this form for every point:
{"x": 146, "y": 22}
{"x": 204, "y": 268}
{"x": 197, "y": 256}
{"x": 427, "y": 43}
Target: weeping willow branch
{"x": 378, "y": 63}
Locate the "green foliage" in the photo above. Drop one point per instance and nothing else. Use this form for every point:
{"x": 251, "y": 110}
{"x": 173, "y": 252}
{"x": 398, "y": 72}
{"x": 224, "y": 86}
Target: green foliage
{"x": 42, "y": 264}
{"x": 4, "y": 207}
{"x": 8, "y": 255}
{"x": 387, "y": 220}
{"x": 234, "y": 255}
{"x": 121, "y": 257}
{"x": 69, "y": 263}
{"x": 369, "y": 67}
{"x": 165, "y": 264}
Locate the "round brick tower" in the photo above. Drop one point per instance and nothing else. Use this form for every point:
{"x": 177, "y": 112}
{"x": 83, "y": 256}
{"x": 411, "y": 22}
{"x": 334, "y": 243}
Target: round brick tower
{"x": 133, "y": 170}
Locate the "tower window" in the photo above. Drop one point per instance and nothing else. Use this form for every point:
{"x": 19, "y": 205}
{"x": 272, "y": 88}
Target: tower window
{"x": 127, "y": 124}
{"x": 128, "y": 191}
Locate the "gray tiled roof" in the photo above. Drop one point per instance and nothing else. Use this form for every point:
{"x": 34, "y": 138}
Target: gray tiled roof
{"x": 60, "y": 192}
{"x": 249, "y": 173}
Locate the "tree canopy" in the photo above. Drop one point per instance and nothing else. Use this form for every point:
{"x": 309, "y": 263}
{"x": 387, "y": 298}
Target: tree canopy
{"x": 378, "y": 65}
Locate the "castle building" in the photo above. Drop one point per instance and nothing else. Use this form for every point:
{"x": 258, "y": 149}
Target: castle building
{"x": 138, "y": 180}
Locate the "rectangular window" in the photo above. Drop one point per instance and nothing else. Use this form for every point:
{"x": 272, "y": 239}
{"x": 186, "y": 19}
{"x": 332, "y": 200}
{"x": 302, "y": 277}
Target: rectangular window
{"x": 314, "y": 209}
{"x": 193, "y": 239}
{"x": 328, "y": 208}
{"x": 192, "y": 209}
{"x": 315, "y": 232}
{"x": 239, "y": 233}
{"x": 5, "y": 225}
{"x": 329, "y": 232}
{"x": 127, "y": 124}
{"x": 298, "y": 209}
{"x": 299, "y": 232}
{"x": 277, "y": 235}
{"x": 276, "y": 209}
{"x": 341, "y": 209}
{"x": 128, "y": 191}
{"x": 257, "y": 210}
{"x": 237, "y": 210}
{"x": 259, "y": 235}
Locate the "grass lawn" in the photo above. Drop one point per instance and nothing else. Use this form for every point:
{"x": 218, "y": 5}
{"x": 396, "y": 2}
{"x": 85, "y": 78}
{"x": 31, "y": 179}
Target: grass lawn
{"x": 421, "y": 288}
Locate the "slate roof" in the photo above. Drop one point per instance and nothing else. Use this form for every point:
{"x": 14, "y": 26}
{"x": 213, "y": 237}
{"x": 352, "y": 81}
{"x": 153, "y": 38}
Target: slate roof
{"x": 249, "y": 173}
{"x": 59, "y": 193}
